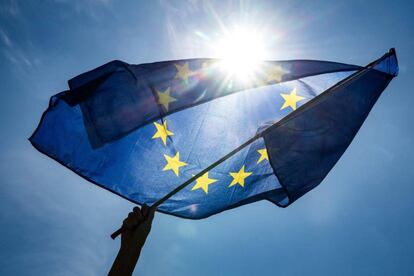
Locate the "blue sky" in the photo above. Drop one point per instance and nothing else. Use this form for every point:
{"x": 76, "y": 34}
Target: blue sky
{"x": 359, "y": 221}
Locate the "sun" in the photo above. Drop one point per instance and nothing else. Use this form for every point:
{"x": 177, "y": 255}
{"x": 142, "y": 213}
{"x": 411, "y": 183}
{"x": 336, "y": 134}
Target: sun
{"x": 241, "y": 52}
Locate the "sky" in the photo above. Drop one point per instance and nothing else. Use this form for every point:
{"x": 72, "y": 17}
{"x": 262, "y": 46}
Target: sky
{"x": 359, "y": 221}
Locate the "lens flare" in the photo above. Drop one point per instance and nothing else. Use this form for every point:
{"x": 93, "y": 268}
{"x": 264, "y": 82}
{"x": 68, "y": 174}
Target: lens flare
{"x": 241, "y": 52}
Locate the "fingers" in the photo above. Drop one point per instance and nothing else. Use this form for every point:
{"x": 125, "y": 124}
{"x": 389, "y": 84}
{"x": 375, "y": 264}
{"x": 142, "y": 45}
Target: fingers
{"x": 145, "y": 210}
{"x": 137, "y": 216}
{"x": 131, "y": 221}
{"x": 148, "y": 212}
{"x": 151, "y": 213}
{"x": 134, "y": 218}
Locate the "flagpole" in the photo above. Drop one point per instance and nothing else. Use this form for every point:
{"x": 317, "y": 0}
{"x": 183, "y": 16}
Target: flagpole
{"x": 186, "y": 183}
{"x": 288, "y": 117}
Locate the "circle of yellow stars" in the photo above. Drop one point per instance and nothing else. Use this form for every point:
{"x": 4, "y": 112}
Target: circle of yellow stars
{"x": 173, "y": 163}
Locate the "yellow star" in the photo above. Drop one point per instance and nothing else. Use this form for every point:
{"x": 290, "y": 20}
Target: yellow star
{"x": 275, "y": 74}
{"x": 162, "y": 132}
{"x": 239, "y": 177}
{"x": 164, "y": 98}
{"x": 263, "y": 155}
{"x": 291, "y": 99}
{"x": 202, "y": 183}
{"x": 174, "y": 163}
{"x": 184, "y": 72}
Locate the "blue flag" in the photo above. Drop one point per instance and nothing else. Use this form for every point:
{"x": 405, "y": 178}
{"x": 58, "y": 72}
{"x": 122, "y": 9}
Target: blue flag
{"x": 140, "y": 131}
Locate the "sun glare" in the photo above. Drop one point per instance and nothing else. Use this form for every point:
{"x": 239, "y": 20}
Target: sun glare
{"x": 241, "y": 52}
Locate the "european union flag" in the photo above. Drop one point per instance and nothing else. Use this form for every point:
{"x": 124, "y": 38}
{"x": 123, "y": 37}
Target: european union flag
{"x": 140, "y": 131}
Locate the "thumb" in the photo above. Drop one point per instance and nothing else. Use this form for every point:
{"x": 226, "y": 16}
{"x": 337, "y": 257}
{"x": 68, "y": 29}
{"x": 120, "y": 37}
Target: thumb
{"x": 151, "y": 212}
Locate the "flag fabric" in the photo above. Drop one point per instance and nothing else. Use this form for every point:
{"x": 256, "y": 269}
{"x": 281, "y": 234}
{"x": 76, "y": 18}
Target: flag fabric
{"x": 140, "y": 131}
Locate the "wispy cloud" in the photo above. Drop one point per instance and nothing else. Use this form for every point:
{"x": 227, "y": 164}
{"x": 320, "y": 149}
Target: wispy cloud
{"x": 5, "y": 38}
{"x": 91, "y": 8}
{"x": 10, "y": 7}
{"x": 16, "y": 54}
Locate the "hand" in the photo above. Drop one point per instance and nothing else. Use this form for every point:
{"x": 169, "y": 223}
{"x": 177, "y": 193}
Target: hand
{"x": 136, "y": 229}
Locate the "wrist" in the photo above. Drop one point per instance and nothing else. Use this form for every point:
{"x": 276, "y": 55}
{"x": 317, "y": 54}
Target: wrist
{"x": 128, "y": 250}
